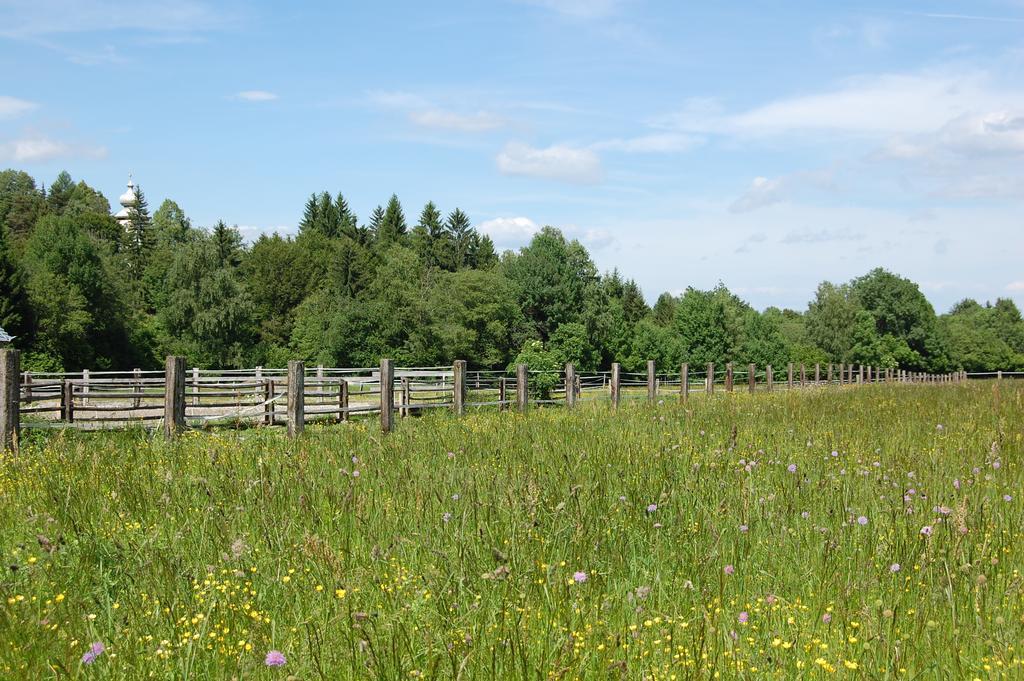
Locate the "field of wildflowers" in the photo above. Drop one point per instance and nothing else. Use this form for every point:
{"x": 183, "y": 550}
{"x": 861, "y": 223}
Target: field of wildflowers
{"x": 867, "y": 532}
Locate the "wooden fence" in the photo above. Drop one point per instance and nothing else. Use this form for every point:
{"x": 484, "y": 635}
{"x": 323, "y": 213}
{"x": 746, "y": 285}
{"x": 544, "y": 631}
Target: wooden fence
{"x": 177, "y": 397}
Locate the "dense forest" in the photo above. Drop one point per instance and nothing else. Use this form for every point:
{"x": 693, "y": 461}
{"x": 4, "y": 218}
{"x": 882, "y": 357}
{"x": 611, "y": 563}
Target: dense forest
{"x": 79, "y": 290}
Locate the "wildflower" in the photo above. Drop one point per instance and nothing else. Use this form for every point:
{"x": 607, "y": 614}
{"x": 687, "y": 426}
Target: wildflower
{"x": 275, "y": 658}
{"x": 805, "y": 515}
{"x": 895, "y": 567}
{"x": 451, "y": 455}
{"x": 834, "y": 453}
{"x": 579, "y": 577}
{"x": 939, "y": 427}
{"x": 791, "y": 468}
{"x": 95, "y": 650}
{"x": 956, "y": 483}
{"x": 862, "y": 520}
{"x": 1007, "y": 497}
{"x": 826, "y": 618}
{"x": 996, "y": 464}
{"x": 455, "y": 497}
{"x": 743, "y": 617}
{"x": 355, "y": 474}
{"x": 651, "y": 508}
{"x": 355, "y": 459}
{"x": 446, "y": 517}
{"x": 926, "y": 530}
{"x": 743, "y": 528}
{"x": 728, "y": 569}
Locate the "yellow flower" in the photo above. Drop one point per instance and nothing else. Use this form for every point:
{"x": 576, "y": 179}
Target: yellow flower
{"x": 340, "y": 593}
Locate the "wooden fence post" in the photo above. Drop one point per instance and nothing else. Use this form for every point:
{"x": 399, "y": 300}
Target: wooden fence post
{"x": 728, "y": 377}
{"x": 999, "y": 375}
{"x": 342, "y": 400}
{"x": 616, "y": 384}
{"x": 296, "y": 413}
{"x": 67, "y": 401}
{"x": 137, "y": 377}
{"x": 684, "y": 382}
{"x": 404, "y": 396}
{"x": 828, "y": 378}
{"x": 85, "y": 386}
{"x": 803, "y": 375}
{"x": 459, "y": 373}
{"x": 522, "y": 395}
{"x": 769, "y": 377}
{"x": 320, "y": 383}
{"x": 789, "y": 380}
{"x": 752, "y": 377}
{"x": 652, "y": 387}
{"x": 570, "y": 385}
{"x": 502, "y": 393}
{"x": 817, "y": 373}
{"x": 387, "y": 394}
{"x": 195, "y": 386}
{"x": 10, "y": 397}
{"x": 709, "y": 381}
{"x": 174, "y": 396}
{"x": 860, "y": 373}
{"x": 269, "y": 415}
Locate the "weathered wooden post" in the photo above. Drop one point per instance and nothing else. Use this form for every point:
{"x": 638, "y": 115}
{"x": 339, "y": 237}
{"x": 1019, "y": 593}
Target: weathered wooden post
{"x": 860, "y": 373}
{"x": 67, "y": 401}
{"x": 502, "y": 394}
{"x": 789, "y": 379}
{"x": 522, "y": 395}
{"x": 320, "y": 383}
{"x": 728, "y": 377}
{"x": 769, "y": 378}
{"x": 999, "y": 375}
{"x": 869, "y": 372}
{"x": 828, "y": 378}
{"x": 85, "y": 386}
{"x": 269, "y": 415}
{"x": 342, "y": 401}
{"x": 405, "y": 397}
{"x": 709, "y": 380}
{"x": 803, "y": 375}
{"x": 684, "y": 382}
{"x": 817, "y": 373}
{"x": 296, "y": 409}
{"x": 616, "y": 384}
{"x": 752, "y": 377}
{"x": 174, "y": 396}
{"x": 195, "y": 386}
{"x": 137, "y": 387}
{"x": 387, "y": 394}
{"x": 570, "y": 385}
{"x": 459, "y": 374}
{"x": 652, "y": 387}
{"x": 26, "y": 386}
{"x": 10, "y": 396}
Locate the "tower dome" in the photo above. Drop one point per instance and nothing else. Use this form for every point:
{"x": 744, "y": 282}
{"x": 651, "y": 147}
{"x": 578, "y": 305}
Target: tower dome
{"x": 128, "y": 201}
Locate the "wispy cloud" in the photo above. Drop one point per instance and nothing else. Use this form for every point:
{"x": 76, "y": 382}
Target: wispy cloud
{"x": 33, "y": 18}
{"x": 12, "y": 106}
{"x": 658, "y": 143}
{"x": 969, "y": 17}
{"x": 558, "y": 162}
{"x": 821, "y": 236}
{"x": 765, "y": 191}
{"x": 509, "y": 232}
{"x": 580, "y": 9}
{"x": 439, "y": 119}
{"x": 256, "y": 96}
{"x": 1015, "y": 286}
{"x": 40, "y": 148}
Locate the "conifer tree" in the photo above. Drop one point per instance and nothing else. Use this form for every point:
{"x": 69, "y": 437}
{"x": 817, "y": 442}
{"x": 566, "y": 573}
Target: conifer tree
{"x": 228, "y": 244}
{"x": 348, "y": 223}
{"x": 392, "y": 226}
{"x": 376, "y": 222}
{"x": 138, "y": 235}
{"x": 459, "y": 232}
{"x": 310, "y": 215}
{"x": 60, "y": 192}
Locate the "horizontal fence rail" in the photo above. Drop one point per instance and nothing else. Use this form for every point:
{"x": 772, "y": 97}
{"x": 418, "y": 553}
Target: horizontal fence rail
{"x": 180, "y": 397}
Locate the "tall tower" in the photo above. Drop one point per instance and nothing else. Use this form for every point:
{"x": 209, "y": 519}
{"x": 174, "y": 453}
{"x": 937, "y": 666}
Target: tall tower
{"x": 128, "y": 202}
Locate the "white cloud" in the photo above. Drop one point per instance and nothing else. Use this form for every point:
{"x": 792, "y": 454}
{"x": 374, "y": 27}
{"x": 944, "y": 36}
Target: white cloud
{"x": 256, "y": 96}
{"x": 39, "y": 149}
{"x": 820, "y": 236}
{"x": 762, "y": 192}
{"x": 12, "y": 106}
{"x": 397, "y": 99}
{"x": 1015, "y": 286}
{"x": 509, "y": 232}
{"x": 481, "y": 121}
{"x": 32, "y": 18}
{"x": 658, "y": 143}
{"x": 558, "y": 162}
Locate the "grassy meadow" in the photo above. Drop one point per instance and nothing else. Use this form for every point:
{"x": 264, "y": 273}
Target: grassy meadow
{"x": 870, "y": 532}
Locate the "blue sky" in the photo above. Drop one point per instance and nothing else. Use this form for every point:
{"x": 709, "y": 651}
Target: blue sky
{"x": 767, "y": 145}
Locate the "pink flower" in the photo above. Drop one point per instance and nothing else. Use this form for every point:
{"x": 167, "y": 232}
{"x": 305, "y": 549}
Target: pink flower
{"x": 791, "y": 468}
{"x": 895, "y": 567}
{"x": 275, "y": 658}
{"x": 95, "y": 650}
{"x": 728, "y": 569}
{"x": 862, "y": 520}
{"x": 926, "y": 530}
{"x": 826, "y": 618}
{"x": 743, "y": 617}
{"x": 579, "y": 577}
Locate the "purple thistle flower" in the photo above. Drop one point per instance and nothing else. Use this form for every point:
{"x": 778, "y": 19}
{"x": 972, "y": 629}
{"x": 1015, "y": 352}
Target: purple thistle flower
{"x": 862, "y": 520}
{"x": 355, "y": 474}
{"x": 895, "y": 567}
{"x": 834, "y": 453}
{"x": 728, "y": 569}
{"x": 579, "y": 577}
{"x": 652, "y": 508}
{"x": 926, "y": 530}
{"x": 1007, "y": 497}
{"x": 791, "y": 468}
{"x": 743, "y": 528}
{"x": 743, "y": 617}
{"x": 95, "y": 650}
{"x": 275, "y": 658}
{"x": 956, "y": 484}
{"x": 826, "y": 618}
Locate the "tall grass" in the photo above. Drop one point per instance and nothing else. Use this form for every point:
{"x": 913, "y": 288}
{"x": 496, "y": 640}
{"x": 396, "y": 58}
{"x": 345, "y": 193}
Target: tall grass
{"x": 736, "y": 537}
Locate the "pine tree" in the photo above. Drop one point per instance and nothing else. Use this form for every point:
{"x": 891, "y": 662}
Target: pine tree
{"x": 376, "y": 222}
{"x": 348, "y": 223}
{"x": 228, "y": 243}
{"x": 392, "y": 226}
{"x": 60, "y": 192}
{"x": 459, "y": 232}
{"x": 138, "y": 235}
{"x": 425, "y": 234}
{"x": 327, "y": 223}
{"x": 311, "y": 214}
{"x": 482, "y": 254}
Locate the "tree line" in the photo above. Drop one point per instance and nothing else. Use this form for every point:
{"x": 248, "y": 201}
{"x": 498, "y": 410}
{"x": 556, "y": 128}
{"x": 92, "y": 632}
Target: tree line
{"x": 79, "y": 290}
